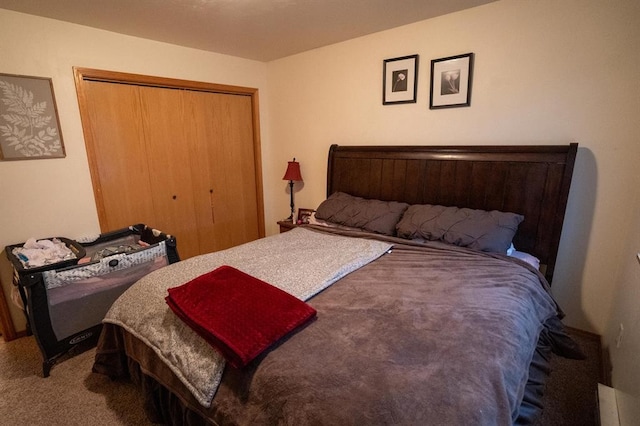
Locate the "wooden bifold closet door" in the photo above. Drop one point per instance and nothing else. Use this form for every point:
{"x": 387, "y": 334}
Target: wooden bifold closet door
{"x": 180, "y": 156}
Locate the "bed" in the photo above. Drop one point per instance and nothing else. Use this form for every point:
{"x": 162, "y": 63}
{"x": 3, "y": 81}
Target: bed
{"x": 424, "y": 311}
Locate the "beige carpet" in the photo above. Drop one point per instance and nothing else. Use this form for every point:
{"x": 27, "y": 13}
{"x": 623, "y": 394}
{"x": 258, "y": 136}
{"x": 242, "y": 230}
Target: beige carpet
{"x": 71, "y": 395}
{"x": 570, "y": 393}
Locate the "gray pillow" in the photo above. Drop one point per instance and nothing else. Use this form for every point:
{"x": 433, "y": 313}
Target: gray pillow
{"x": 370, "y": 215}
{"x": 477, "y": 229}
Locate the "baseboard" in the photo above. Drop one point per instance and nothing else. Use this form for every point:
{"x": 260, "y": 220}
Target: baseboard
{"x": 15, "y": 335}
{"x": 587, "y": 334}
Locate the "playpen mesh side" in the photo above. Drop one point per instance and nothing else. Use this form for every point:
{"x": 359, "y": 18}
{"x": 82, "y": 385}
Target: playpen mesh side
{"x": 79, "y": 297}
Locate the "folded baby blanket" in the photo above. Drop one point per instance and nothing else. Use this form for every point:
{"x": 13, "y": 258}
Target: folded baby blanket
{"x": 239, "y": 315}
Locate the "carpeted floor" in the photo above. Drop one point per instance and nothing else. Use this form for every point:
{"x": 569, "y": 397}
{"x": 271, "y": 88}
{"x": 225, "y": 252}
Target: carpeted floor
{"x": 72, "y": 395}
{"x": 570, "y": 397}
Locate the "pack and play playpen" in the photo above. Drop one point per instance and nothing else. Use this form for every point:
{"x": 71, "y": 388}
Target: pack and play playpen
{"x": 66, "y": 301}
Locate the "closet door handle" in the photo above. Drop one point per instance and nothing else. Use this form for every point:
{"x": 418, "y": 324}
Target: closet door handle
{"x": 213, "y": 217}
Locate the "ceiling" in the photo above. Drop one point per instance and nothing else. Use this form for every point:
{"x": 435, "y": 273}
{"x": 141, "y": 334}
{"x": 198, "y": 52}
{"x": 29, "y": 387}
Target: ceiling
{"x": 262, "y": 30}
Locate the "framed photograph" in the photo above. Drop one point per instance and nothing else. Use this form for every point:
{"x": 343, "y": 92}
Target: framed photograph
{"x": 400, "y": 80}
{"x": 451, "y": 81}
{"x": 304, "y": 215}
{"x": 29, "y": 124}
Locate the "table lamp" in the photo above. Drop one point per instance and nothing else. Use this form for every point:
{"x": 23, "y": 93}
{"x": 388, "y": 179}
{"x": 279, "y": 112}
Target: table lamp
{"x": 292, "y": 174}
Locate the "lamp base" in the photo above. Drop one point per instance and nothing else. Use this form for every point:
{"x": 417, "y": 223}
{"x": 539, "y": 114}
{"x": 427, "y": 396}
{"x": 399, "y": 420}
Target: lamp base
{"x": 291, "y": 204}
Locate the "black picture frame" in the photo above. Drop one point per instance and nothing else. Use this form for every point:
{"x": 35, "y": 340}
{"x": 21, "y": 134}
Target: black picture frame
{"x": 451, "y": 79}
{"x": 304, "y": 215}
{"x": 400, "y": 80}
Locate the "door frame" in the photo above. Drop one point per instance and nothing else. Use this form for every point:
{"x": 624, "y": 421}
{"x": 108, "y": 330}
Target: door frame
{"x": 88, "y": 74}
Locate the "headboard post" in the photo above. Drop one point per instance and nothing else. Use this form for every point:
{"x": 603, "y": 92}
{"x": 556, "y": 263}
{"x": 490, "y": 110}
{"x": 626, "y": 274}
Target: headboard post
{"x": 532, "y": 180}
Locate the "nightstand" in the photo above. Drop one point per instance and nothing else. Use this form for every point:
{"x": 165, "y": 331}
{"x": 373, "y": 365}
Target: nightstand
{"x": 286, "y": 225}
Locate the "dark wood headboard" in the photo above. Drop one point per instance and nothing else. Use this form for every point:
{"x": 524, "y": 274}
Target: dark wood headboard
{"x": 530, "y": 180}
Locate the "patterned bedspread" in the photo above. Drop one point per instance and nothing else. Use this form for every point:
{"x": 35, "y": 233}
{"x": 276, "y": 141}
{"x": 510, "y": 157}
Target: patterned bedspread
{"x": 300, "y": 262}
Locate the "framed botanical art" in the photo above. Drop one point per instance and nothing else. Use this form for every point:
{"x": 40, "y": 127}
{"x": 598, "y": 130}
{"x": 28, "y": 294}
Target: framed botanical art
{"x": 400, "y": 80}
{"x": 451, "y": 81}
{"x": 29, "y": 124}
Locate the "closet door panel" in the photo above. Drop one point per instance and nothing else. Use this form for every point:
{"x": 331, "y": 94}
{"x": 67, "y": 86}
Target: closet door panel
{"x": 198, "y": 137}
{"x": 169, "y": 165}
{"x": 236, "y": 126}
{"x": 174, "y": 154}
{"x": 117, "y": 155}
{"x": 224, "y": 142}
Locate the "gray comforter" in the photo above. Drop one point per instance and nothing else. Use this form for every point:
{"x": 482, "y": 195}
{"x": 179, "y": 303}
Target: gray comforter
{"x": 427, "y": 334}
{"x": 300, "y": 262}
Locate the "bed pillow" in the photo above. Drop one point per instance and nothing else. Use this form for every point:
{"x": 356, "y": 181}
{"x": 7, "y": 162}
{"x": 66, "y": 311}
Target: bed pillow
{"x": 376, "y": 216}
{"x": 529, "y": 258}
{"x": 477, "y": 229}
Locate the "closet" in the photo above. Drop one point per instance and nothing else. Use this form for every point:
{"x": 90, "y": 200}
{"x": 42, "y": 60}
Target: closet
{"x": 181, "y": 156}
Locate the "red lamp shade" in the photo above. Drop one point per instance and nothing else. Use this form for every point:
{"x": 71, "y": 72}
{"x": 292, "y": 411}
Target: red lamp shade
{"x": 293, "y": 171}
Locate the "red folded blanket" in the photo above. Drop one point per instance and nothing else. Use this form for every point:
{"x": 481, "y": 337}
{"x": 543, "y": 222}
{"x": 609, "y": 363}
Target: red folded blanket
{"x": 236, "y": 313}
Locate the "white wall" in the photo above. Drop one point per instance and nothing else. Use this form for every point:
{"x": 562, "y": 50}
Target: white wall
{"x": 54, "y": 197}
{"x": 546, "y": 71}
